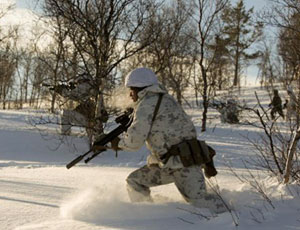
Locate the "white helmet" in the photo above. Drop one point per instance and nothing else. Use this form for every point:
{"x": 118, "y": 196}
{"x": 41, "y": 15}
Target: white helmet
{"x": 141, "y": 77}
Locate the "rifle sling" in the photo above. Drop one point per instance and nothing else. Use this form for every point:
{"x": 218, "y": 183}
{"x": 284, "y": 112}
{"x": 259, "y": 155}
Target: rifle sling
{"x": 157, "y": 107}
{"x": 155, "y": 111}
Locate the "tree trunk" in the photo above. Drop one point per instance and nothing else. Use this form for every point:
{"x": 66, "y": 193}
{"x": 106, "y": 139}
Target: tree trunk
{"x": 53, "y": 99}
{"x": 205, "y": 99}
{"x": 236, "y": 70}
{"x": 291, "y": 153}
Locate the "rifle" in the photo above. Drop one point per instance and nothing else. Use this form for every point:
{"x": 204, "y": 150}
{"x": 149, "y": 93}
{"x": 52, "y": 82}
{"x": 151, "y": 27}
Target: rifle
{"x": 50, "y": 87}
{"x": 124, "y": 120}
{"x": 60, "y": 86}
{"x": 218, "y": 105}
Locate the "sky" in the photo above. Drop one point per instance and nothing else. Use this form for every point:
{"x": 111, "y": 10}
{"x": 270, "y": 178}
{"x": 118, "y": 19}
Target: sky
{"x": 24, "y": 4}
{"x": 29, "y": 4}
{"x": 251, "y": 71}
{"x": 257, "y": 4}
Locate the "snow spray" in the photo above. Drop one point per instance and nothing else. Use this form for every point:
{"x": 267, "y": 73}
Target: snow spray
{"x": 108, "y": 205}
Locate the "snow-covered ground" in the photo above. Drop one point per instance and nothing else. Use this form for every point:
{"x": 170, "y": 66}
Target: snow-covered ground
{"x": 38, "y": 192}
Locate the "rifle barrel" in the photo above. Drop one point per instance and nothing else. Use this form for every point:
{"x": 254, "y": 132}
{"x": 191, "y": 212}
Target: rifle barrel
{"x": 94, "y": 155}
{"x": 76, "y": 160}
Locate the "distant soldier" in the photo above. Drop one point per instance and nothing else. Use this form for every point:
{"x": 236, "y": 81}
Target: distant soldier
{"x": 229, "y": 111}
{"x": 276, "y": 105}
{"x": 232, "y": 112}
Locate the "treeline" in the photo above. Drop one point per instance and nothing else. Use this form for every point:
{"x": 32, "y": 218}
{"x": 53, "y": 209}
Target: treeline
{"x": 205, "y": 45}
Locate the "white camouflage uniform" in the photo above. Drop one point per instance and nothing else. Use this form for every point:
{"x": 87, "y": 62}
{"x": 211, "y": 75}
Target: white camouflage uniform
{"x": 80, "y": 115}
{"x": 171, "y": 126}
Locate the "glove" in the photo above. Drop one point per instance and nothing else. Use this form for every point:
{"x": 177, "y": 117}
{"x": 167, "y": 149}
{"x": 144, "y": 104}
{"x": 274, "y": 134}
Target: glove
{"x": 114, "y": 144}
{"x": 96, "y": 148}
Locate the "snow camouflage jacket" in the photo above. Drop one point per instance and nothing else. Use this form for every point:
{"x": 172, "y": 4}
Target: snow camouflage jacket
{"x": 80, "y": 93}
{"x": 171, "y": 126}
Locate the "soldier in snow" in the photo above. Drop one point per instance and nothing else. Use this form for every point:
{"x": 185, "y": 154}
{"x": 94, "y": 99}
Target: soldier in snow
{"x": 229, "y": 111}
{"x": 82, "y": 92}
{"x": 276, "y": 105}
{"x": 169, "y": 134}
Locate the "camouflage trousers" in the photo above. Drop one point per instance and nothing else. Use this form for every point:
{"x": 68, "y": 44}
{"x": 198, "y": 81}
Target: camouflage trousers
{"x": 70, "y": 118}
{"x": 275, "y": 110}
{"x": 189, "y": 181}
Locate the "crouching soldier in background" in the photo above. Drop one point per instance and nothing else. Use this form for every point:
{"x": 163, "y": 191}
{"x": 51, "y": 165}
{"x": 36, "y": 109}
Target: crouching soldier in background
{"x": 83, "y": 93}
{"x": 276, "y": 105}
{"x": 172, "y": 140}
{"x": 229, "y": 110}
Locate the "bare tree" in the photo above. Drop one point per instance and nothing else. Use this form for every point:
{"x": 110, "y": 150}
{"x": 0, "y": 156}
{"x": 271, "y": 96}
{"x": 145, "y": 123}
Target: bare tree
{"x": 271, "y": 67}
{"x": 7, "y": 71}
{"x": 277, "y": 145}
{"x": 206, "y": 17}
{"x": 285, "y": 16}
{"x": 3, "y": 11}
{"x": 220, "y": 67}
{"x": 168, "y": 55}
{"x": 39, "y": 73}
{"x": 242, "y": 32}
{"x": 7, "y": 62}
{"x": 92, "y": 38}
{"x": 53, "y": 55}
{"x": 178, "y": 58}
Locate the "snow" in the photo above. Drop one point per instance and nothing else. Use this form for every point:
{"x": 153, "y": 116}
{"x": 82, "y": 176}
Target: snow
{"x": 38, "y": 192}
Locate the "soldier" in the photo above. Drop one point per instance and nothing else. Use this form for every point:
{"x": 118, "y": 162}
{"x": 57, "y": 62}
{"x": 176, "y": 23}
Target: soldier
{"x": 276, "y": 105}
{"x": 229, "y": 111}
{"x": 161, "y": 123}
{"x": 83, "y": 93}
{"x": 232, "y": 111}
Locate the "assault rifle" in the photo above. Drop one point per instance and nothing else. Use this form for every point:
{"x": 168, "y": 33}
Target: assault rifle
{"x": 124, "y": 120}
{"x": 217, "y": 104}
{"x": 60, "y": 86}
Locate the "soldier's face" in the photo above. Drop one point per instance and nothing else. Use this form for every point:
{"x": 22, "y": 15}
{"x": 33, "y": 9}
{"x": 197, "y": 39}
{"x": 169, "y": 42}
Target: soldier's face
{"x": 133, "y": 94}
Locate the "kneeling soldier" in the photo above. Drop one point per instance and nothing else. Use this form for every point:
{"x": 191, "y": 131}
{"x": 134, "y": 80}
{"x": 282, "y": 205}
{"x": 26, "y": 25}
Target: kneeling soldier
{"x": 176, "y": 154}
